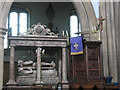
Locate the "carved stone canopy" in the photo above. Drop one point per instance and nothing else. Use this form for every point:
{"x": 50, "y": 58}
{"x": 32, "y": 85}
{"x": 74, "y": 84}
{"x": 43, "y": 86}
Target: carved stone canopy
{"x": 40, "y": 30}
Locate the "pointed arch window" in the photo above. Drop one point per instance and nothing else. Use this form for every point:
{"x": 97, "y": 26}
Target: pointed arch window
{"x": 17, "y": 22}
{"x": 74, "y": 24}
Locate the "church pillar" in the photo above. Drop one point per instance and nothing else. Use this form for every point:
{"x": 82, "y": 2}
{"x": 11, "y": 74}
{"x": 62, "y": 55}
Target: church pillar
{"x": 2, "y": 33}
{"x": 114, "y": 53}
{"x": 104, "y": 41}
{"x": 109, "y": 43}
{"x": 64, "y": 69}
{"x": 12, "y": 67}
{"x": 39, "y": 79}
{"x": 117, "y": 21}
{"x": 4, "y": 10}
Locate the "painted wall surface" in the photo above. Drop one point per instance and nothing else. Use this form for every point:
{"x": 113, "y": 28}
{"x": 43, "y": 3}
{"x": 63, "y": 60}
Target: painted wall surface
{"x": 61, "y": 9}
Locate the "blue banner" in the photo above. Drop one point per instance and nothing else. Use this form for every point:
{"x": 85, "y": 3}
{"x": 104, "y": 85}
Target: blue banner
{"x": 76, "y": 45}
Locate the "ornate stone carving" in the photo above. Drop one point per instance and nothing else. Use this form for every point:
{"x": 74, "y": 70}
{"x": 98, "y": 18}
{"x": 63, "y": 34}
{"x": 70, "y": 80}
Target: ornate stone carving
{"x": 27, "y": 73}
{"x": 39, "y": 30}
{"x": 26, "y": 67}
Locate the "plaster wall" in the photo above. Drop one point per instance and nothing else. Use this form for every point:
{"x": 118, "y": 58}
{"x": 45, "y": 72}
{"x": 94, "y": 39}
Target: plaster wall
{"x": 38, "y": 13}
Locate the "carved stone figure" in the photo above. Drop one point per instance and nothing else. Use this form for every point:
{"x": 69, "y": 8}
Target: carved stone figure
{"x": 27, "y": 73}
{"x": 26, "y": 67}
{"x": 21, "y": 63}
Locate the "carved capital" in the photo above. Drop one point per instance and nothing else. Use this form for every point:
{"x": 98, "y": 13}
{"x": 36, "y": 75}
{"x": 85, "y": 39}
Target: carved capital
{"x": 2, "y": 32}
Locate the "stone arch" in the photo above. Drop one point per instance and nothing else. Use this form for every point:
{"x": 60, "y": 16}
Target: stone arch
{"x": 4, "y": 10}
{"x": 84, "y": 10}
{"x": 86, "y": 15}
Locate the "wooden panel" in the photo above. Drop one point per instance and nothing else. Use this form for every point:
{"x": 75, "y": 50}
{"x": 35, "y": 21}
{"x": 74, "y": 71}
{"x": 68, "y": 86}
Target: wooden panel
{"x": 93, "y": 64}
{"x": 87, "y": 66}
{"x": 80, "y": 74}
{"x": 94, "y": 73}
{"x": 80, "y": 67}
{"x": 93, "y": 53}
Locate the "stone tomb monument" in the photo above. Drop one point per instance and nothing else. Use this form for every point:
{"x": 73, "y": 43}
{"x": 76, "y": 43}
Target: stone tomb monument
{"x": 39, "y": 73}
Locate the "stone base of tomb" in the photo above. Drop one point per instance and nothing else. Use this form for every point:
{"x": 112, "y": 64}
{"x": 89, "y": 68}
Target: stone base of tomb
{"x": 25, "y": 80}
{"x": 49, "y": 77}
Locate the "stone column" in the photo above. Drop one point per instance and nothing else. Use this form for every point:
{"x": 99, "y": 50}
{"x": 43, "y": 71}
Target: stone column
{"x": 2, "y": 33}
{"x": 115, "y": 71}
{"x": 109, "y": 43}
{"x": 117, "y": 21}
{"x": 111, "y": 40}
{"x": 104, "y": 41}
{"x": 59, "y": 65}
{"x": 12, "y": 67}
{"x": 64, "y": 69}
{"x": 59, "y": 59}
{"x": 59, "y": 69}
{"x": 39, "y": 79}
